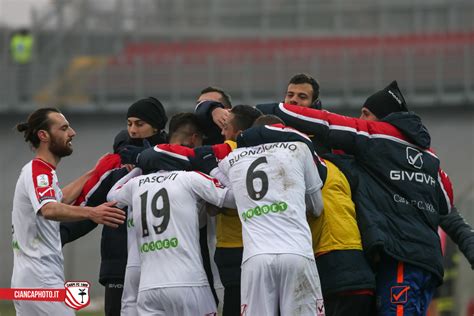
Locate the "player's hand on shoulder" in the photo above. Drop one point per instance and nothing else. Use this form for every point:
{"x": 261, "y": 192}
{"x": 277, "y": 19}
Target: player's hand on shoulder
{"x": 107, "y": 214}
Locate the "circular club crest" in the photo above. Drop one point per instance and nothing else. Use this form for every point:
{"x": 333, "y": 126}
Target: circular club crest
{"x": 77, "y": 294}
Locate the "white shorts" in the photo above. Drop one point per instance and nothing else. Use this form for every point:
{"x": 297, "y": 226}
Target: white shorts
{"x": 211, "y": 242}
{"x": 285, "y": 282}
{"x": 178, "y": 301}
{"x": 130, "y": 291}
{"x": 39, "y": 308}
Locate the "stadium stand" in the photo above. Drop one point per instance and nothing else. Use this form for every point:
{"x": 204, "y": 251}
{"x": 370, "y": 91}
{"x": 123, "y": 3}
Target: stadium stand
{"x": 173, "y": 48}
{"x": 436, "y": 68}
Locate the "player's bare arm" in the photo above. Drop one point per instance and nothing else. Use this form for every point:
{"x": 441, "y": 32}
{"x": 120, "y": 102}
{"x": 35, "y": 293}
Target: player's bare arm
{"x": 104, "y": 214}
{"x": 73, "y": 189}
{"x": 314, "y": 203}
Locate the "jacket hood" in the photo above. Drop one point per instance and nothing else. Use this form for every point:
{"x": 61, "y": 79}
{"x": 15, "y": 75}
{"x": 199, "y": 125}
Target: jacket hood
{"x": 411, "y": 126}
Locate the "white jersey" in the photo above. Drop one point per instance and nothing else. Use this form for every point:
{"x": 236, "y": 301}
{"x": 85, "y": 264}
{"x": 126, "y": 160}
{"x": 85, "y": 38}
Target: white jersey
{"x": 133, "y": 257}
{"x": 166, "y": 220}
{"x": 38, "y": 258}
{"x": 269, "y": 183}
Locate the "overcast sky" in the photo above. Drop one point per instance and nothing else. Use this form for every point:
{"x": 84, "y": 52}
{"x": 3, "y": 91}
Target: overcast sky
{"x": 17, "y": 13}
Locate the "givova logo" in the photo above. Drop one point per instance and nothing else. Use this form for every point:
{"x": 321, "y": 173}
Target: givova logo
{"x": 415, "y": 157}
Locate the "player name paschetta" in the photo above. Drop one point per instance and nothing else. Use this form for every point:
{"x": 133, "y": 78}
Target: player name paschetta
{"x": 157, "y": 179}
{"x": 261, "y": 149}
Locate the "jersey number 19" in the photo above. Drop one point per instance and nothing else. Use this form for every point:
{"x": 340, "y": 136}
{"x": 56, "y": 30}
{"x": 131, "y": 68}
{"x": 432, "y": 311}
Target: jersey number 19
{"x": 163, "y": 212}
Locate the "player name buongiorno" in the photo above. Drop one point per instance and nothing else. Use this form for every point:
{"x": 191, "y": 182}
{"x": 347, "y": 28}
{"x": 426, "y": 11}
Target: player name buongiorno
{"x": 261, "y": 149}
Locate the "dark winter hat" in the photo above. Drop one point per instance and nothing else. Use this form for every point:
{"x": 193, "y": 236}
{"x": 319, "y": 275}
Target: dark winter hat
{"x": 120, "y": 140}
{"x": 386, "y": 101}
{"x": 149, "y": 110}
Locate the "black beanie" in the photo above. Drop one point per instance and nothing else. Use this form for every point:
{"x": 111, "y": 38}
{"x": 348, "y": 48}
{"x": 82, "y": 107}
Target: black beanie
{"x": 386, "y": 101}
{"x": 120, "y": 140}
{"x": 149, "y": 110}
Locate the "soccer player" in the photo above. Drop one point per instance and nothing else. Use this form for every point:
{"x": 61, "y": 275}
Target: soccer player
{"x": 229, "y": 249}
{"x": 146, "y": 119}
{"x": 400, "y": 196}
{"x": 279, "y": 273}
{"x": 184, "y": 129}
{"x": 303, "y": 90}
{"x": 347, "y": 280}
{"x": 166, "y": 220}
{"x": 242, "y": 117}
{"x": 37, "y": 211}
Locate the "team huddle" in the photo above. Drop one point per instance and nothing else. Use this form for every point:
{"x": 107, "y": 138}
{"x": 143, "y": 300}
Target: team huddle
{"x": 303, "y": 211}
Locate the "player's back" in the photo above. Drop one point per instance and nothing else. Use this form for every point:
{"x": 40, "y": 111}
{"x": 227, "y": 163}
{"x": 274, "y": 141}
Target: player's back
{"x": 166, "y": 221}
{"x": 269, "y": 182}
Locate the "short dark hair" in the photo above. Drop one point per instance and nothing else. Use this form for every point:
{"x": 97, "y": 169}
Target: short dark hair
{"x": 305, "y": 78}
{"x": 226, "y": 99}
{"x": 38, "y": 120}
{"x": 184, "y": 119}
{"x": 268, "y": 119}
{"x": 244, "y": 116}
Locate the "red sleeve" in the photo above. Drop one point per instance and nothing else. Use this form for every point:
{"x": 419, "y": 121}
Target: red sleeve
{"x": 446, "y": 189}
{"x": 221, "y": 150}
{"x": 350, "y": 124}
{"x": 106, "y": 163}
{"x": 42, "y": 177}
{"x": 339, "y": 132}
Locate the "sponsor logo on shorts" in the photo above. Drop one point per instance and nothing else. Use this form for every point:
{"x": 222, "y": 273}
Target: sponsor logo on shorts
{"x": 399, "y": 294}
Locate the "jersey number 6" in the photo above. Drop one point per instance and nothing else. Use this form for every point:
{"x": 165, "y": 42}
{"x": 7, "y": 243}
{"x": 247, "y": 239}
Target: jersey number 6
{"x": 163, "y": 212}
{"x": 259, "y": 174}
